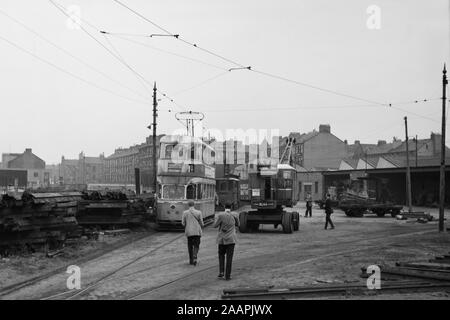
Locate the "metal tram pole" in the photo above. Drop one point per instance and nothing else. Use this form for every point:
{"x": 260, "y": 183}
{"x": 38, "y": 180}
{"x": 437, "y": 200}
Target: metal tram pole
{"x": 442, "y": 171}
{"x": 408, "y": 169}
{"x": 155, "y": 168}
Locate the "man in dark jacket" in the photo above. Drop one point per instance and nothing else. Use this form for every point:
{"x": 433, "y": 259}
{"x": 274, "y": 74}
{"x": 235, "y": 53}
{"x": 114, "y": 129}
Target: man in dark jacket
{"x": 328, "y": 212}
{"x": 308, "y": 205}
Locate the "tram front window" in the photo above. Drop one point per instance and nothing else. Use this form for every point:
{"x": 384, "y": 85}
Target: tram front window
{"x": 173, "y": 192}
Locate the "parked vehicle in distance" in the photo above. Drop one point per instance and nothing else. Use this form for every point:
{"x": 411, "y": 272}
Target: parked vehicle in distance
{"x": 228, "y": 192}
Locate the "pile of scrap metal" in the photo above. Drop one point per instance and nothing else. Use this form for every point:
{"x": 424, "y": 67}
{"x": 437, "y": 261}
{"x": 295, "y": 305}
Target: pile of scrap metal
{"x": 32, "y": 219}
{"x": 110, "y": 208}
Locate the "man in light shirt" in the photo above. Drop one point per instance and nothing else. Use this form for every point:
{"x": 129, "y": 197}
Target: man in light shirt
{"x": 226, "y": 239}
{"x": 192, "y": 221}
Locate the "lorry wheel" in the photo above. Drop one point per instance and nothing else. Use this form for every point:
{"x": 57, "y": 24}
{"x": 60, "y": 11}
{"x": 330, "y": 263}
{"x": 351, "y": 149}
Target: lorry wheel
{"x": 395, "y": 213}
{"x": 243, "y": 222}
{"x": 380, "y": 213}
{"x": 358, "y": 213}
{"x": 296, "y": 217}
{"x": 287, "y": 222}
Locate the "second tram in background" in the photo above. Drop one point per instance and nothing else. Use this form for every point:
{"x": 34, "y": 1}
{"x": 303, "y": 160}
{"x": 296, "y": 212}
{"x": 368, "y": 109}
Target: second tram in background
{"x": 184, "y": 174}
{"x": 228, "y": 192}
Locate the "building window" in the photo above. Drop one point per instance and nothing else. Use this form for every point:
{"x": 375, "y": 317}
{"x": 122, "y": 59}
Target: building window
{"x": 316, "y": 187}
{"x": 36, "y": 174}
{"x": 300, "y": 187}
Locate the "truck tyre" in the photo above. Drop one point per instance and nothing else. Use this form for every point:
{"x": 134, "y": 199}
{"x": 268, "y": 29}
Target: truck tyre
{"x": 287, "y": 222}
{"x": 360, "y": 213}
{"x": 395, "y": 213}
{"x": 380, "y": 213}
{"x": 243, "y": 222}
{"x": 296, "y": 217}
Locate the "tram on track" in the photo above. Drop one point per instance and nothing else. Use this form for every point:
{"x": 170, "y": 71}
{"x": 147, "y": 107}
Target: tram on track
{"x": 185, "y": 172}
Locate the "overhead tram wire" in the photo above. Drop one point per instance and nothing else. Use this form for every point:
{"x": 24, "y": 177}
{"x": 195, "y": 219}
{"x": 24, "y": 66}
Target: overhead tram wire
{"x": 69, "y": 73}
{"x": 116, "y": 55}
{"x": 163, "y": 94}
{"x": 263, "y": 72}
{"x": 258, "y": 71}
{"x": 163, "y": 50}
{"x": 178, "y": 37}
{"x": 137, "y": 74}
{"x": 87, "y": 65}
{"x": 202, "y": 83}
{"x": 246, "y": 67}
{"x": 393, "y": 105}
{"x": 123, "y": 60}
{"x": 119, "y": 58}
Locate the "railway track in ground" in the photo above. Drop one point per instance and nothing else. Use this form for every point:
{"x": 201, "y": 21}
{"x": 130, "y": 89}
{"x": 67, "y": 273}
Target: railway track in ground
{"x": 322, "y": 291}
{"x": 144, "y": 292}
{"x": 72, "y": 294}
{"x": 94, "y": 255}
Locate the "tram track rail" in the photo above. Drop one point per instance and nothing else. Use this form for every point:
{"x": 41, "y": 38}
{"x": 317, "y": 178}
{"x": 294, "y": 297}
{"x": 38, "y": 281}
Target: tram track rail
{"x": 9, "y": 289}
{"x": 144, "y": 292}
{"x": 333, "y": 290}
{"x": 71, "y": 294}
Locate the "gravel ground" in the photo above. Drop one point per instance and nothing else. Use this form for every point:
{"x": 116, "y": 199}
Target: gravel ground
{"x": 266, "y": 258}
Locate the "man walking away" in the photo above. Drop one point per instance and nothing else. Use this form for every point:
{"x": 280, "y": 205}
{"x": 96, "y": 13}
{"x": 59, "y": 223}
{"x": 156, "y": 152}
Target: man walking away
{"x": 192, "y": 222}
{"x": 226, "y": 239}
{"x": 328, "y": 212}
{"x": 308, "y": 205}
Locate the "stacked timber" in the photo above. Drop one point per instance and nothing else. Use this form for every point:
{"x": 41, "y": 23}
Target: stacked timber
{"x": 110, "y": 208}
{"x": 28, "y": 219}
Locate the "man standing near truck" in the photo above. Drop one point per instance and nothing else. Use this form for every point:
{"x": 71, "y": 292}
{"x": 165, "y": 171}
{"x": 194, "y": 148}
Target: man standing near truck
{"x": 308, "y": 205}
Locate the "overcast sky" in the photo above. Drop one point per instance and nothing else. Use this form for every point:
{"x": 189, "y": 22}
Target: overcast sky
{"x": 323, "y": 43}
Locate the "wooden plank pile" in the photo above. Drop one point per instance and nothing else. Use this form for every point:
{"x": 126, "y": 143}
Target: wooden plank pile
{"x": 110, "y": 208}
{"x": 29, "y": 219}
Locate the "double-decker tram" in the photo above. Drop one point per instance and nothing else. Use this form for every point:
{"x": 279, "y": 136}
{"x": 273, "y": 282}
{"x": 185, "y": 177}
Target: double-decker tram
{"x": 185, "y": 172}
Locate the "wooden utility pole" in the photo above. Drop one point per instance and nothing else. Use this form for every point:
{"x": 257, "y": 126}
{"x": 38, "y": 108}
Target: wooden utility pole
{"x": 416, "y": 149}
{"x": 408, "y": 169}
{"x": 442, "y": 172}
{"x": 155, "y": 164}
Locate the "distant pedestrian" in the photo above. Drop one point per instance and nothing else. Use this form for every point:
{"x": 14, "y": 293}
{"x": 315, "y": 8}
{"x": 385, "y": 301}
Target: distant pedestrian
{"x": 192, "y": 221}
{"x": 226, "y": 240}
{"x": 328, "y": 212}
{"x": 308, "y": 205}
